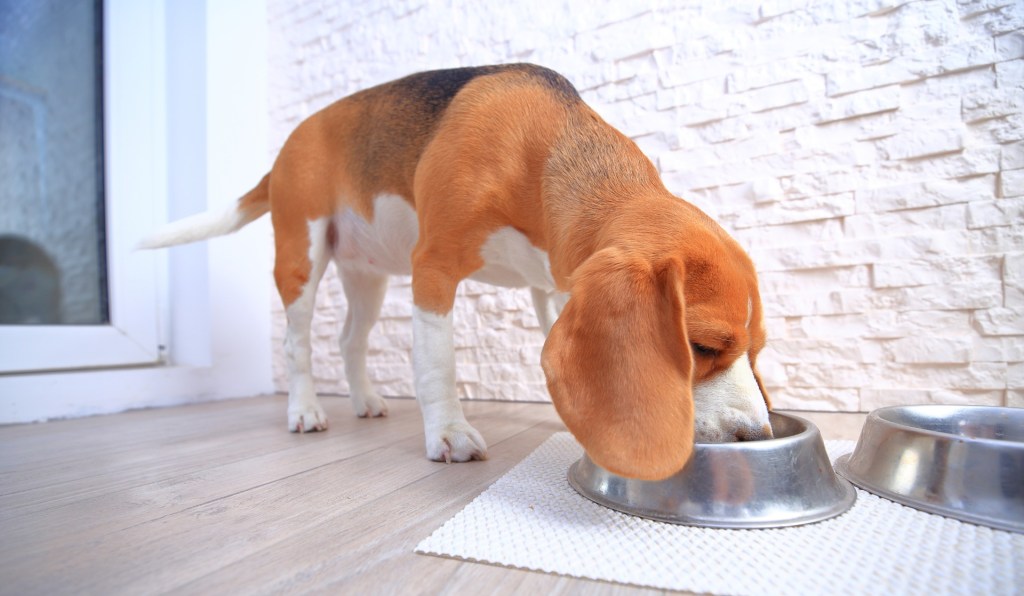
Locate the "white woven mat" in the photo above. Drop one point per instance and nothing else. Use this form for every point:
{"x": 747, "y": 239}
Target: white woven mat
{"x": 531, "y": 518}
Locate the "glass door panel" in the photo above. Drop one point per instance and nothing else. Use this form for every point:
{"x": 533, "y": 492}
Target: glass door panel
{"x": 82, "y": 170}
{"x": 52, "y": 233}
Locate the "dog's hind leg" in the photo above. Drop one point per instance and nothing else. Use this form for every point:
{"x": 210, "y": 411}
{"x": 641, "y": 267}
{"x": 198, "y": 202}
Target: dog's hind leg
{"x": 302, "y": 257}
{"x": 365, "y": 293}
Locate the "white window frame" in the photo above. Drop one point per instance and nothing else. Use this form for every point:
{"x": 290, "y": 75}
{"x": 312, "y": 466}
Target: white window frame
{"x": 192, "y": 323}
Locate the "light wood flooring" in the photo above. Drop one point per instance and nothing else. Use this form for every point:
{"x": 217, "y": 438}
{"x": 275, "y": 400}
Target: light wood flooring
{"x": 219, "y": 499}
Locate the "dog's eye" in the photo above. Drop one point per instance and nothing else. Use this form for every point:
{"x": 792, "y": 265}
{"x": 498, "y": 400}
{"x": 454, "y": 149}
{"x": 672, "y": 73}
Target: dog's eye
{"x": 704, "y": 350}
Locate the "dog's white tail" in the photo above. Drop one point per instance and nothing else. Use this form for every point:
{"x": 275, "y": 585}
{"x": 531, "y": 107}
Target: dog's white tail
{"x": 203, "y": 226}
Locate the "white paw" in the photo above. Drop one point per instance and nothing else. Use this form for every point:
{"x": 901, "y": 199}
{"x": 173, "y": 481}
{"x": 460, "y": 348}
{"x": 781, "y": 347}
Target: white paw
{"x": 371, "y": 405}
{"x": 306, "y": 418}
{"x": 456, "y": 441}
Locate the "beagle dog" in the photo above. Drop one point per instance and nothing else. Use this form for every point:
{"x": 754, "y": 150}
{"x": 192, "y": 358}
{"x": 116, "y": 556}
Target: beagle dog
{"x": 503, "y": 174}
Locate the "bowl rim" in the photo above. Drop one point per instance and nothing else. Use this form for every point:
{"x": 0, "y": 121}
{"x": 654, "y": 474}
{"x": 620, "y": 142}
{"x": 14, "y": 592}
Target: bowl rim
{"x": 846, "y": 501}
{"x": 809, "y": 429}
{"x": 808, "y": 432}
{"x": 877, "y": 416}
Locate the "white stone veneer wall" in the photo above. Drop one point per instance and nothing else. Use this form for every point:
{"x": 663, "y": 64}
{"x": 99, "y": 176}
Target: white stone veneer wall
{"x": 868, "y": 154}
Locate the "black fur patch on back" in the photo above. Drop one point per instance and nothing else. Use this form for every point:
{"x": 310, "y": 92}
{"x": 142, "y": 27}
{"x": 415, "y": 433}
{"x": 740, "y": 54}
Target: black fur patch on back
{"x": 436, "y": 88}
{"x": 554, "y": 80}
{"x": 398, "y": 119}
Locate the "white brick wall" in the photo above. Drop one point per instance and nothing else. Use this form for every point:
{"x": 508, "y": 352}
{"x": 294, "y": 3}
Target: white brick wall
{"x": 869, "y": 154}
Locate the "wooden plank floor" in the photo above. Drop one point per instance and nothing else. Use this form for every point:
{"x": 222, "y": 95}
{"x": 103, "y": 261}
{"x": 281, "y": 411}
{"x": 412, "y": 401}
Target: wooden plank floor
{"x": 219, "y": 498}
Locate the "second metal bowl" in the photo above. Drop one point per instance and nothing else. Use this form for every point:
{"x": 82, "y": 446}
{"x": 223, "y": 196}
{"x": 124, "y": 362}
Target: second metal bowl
{"x": 964, "y": 462}
{"x": 785, "y": 481}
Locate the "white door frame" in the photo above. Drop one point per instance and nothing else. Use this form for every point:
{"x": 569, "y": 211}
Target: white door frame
{"x": 208, "y": 304}
{"x": 136, "y": 184}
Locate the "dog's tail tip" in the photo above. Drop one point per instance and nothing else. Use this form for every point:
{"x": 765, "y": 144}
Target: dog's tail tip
{"x": 204, "y": 226}
{"x": 153, "y": 242}
{"x": 201, "y": 226}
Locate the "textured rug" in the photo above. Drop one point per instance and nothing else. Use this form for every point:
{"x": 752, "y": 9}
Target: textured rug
{"x": 532, "y": 519}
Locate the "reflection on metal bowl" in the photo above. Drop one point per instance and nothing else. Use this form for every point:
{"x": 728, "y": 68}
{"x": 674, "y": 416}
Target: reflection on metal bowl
{"x": 785, "y": 481}
{"x": 964, "y": 462}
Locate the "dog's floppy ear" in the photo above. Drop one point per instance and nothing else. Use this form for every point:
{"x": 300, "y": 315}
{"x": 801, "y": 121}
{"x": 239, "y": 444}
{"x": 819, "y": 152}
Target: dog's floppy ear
{"x": 619, "y": 366}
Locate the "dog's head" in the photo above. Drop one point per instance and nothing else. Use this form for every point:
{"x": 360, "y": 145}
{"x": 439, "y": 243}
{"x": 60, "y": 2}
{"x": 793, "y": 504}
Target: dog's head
{"x": 654, "y": 352}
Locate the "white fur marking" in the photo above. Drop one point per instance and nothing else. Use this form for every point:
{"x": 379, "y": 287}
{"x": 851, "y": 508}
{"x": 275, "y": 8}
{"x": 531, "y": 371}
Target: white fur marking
{"x": 548, "y": 305}
{"x": 383, "y": 245}
{"x": 194, "y": 228}
{"x": 510, "y": 260}
{"x": 448, "y": 436}
{"x": 304, "y": 411}
{"x": 364, "y": 293}
{"x": 730, "y": 402}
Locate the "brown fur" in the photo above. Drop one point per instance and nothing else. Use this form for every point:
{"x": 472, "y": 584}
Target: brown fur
{"x": 477, "y": 150}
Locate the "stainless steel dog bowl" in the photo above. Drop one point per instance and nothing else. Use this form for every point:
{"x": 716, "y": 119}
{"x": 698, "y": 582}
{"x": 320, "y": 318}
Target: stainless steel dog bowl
{"x": 785, "y": 481}
{"x": 964, "y": 462}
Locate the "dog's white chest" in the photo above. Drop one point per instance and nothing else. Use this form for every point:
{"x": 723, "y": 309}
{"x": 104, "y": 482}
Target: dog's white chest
{"x": 511, "y": 261}
{"x": 385, "y": 246}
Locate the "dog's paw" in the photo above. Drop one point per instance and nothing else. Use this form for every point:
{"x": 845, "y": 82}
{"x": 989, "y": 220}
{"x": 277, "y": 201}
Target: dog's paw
{"x": 371, "y": 405}
{"x": 457, "y": 441}
{"x": 307, "y": 418}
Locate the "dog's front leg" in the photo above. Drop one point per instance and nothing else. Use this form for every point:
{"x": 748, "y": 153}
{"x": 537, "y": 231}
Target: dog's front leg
{"x": 449, "y": 437}
{"x": 548, "y": 304}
